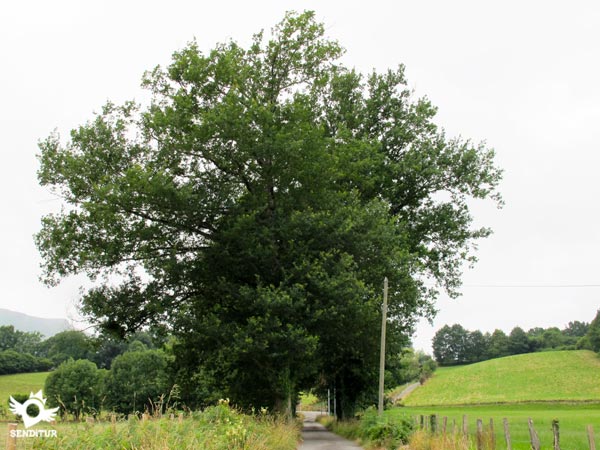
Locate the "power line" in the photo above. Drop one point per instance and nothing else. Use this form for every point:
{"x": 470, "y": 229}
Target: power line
{"x": 535, "y": 286}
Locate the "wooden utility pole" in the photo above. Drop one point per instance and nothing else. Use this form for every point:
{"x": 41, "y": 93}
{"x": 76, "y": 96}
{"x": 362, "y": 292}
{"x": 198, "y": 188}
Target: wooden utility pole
{"x": 382, "y": 349}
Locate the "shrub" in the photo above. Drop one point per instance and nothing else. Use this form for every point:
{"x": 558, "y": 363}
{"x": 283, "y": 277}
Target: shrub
{"x": 14, "y": 362}
{"x": 137, "y": 381}
{"x": 75, "y": 386}
{"x": 381, "y": 431}
{"x": 374, "y": 430}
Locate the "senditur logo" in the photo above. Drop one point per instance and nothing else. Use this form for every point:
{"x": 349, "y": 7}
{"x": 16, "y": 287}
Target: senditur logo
{"x": 38, "y": 400}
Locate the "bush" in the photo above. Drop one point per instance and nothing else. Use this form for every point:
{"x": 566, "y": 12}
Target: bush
{"x": 75, "y": 386}
{"x": 14, "y": 362}
{"x": 136, "y": 381}
{"x": 374, "y": 430}
{"x": 380, "y": 431}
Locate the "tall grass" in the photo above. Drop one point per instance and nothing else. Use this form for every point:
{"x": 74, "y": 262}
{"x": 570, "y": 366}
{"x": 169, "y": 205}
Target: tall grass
{"x": 216, "y": 428}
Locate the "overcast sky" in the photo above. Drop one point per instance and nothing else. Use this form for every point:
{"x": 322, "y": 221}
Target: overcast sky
{"x": 523, "y": 76}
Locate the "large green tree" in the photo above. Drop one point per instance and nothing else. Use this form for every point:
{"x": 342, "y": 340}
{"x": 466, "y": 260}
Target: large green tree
{"x": 255, "y": 207}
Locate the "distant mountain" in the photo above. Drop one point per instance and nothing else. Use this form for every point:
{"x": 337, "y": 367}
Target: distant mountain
{"x": 23, "y": 322}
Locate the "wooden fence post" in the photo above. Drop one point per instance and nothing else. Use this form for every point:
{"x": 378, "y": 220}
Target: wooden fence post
{"x": 11, "y": 442}
{"x": 113, "y": 422}
{"x": 444, "y": 424}
{"x": 422, "y": 422}
{"x": 479, "y": 434}
{"x": 492, "y": 435}
{"x": 591, "y": 440}
{"x": 433, "y": 423}
{"x": 535, "y": 440}
{"x": 507, "y": 434}
{"x": 556, "y": 434}
{"x": 465, "y": 426}
{"x": 180, "y": 417}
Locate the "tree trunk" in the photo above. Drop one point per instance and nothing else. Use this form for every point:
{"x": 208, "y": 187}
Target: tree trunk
{"x": 285, "y": 402}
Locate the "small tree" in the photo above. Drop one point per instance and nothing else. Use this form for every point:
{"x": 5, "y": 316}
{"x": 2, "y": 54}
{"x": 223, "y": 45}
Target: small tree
{"x": 451, "y": 345}
{"x": 75, "y": 386}
{"x": 518, "y": 342}
{"x": 137, "y": 380}
{"x": 477, "y": 346}
{"x": 498, "y": 345}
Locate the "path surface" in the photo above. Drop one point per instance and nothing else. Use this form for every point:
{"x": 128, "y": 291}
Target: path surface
{"x": 316, "y": 436}
{"x": 405, "y": 392}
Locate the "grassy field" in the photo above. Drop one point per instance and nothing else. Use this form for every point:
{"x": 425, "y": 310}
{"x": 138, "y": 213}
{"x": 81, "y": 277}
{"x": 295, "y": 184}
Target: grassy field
{"x": 22, "y": 383}
{"x": 546, "y": 376}
{"x": 573, "y": 420}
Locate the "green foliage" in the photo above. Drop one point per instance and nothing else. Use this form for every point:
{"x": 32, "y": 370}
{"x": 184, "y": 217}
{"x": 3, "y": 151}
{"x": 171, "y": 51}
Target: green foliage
{"x": 451, "y": 345}
{"x": 14, "y": 362}
{"x": 75, "y": 386}
{"x": 264, "y": 195}
{"x": 19, "y": 341}
{"x": 455, "y": 345}
{"x": 593, "y": 334}
{"x": 576, "y": 329}
{"x": 374, "y": 430}
{"x": 408, "y": 366}
{"x": 19, "y": 350}
{"x": 518, "y": 342}
{"x": 545, "y": 376}
{"x": 137, "y": 380}
{"x": 67, "y": 344}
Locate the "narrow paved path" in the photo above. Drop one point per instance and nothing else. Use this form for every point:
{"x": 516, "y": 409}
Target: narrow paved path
{"x": 405, "y": 392}
{"x": 316, "y": 436}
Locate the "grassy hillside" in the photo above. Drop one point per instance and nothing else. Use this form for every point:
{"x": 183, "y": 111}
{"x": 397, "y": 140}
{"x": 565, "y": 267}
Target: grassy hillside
{"x": 548, "y": 376}
{"x": 22, "y": 383}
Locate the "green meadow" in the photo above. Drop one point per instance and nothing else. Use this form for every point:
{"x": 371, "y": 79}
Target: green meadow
{"x": 563, "y": 376}
{"x": 573, "y": 420}
{"x": 22, "y": 383}
{"x": 547, "y": 386}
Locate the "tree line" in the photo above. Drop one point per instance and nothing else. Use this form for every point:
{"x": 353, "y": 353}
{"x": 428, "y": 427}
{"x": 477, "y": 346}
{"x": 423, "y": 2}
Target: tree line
{"x": 454, "y": 345}
{"x": 22, "y": 352}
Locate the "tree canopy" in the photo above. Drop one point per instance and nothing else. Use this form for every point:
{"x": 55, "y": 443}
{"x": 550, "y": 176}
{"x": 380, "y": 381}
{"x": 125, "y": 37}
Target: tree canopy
{"x": 254, "y": 208}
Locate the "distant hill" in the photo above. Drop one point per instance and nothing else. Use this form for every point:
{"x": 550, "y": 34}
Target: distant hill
{"x": 23, "y": 322}
{"x": 545, "y": 376}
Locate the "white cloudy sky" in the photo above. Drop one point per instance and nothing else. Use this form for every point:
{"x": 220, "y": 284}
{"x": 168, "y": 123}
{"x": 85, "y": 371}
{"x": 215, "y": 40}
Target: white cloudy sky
{"x": 524, "y": 76}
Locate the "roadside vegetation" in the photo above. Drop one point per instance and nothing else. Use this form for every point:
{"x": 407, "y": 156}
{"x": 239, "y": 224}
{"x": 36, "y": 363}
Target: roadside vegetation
{"x": 371, "y": 430}
{"x": 218, "y": 427}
